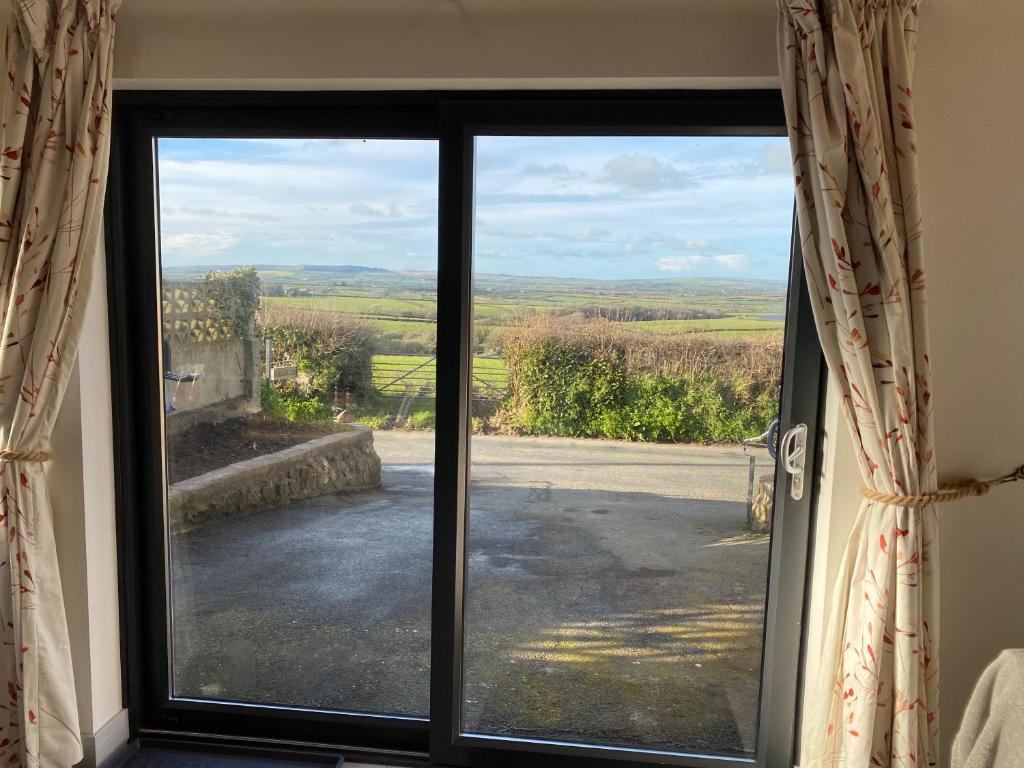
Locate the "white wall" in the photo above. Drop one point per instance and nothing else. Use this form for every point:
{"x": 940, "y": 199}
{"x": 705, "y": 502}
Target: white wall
{"x": 81, "y": 487}
{"x": 971, "y": 129}
{"x": 414, "y": 42}
{"x": 970, "y": 112}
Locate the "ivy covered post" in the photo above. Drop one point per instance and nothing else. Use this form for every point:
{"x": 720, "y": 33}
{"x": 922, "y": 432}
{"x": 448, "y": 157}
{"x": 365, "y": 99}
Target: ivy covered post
{"x": 333, "y": 351}
{"x": 236, "y": 294}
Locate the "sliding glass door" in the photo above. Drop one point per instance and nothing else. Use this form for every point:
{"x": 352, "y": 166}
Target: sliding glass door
{"x": 451, "y": 424}
{"x": 616, "y": 565}
{"x": 626, "y": 542}
{"x": 298, "y": 303}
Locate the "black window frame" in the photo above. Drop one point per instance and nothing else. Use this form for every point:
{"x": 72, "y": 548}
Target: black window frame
{"x": 453, "y": 119}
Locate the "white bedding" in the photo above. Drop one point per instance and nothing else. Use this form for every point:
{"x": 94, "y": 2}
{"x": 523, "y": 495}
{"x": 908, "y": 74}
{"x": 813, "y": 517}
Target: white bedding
{"x": 992, "y": 731}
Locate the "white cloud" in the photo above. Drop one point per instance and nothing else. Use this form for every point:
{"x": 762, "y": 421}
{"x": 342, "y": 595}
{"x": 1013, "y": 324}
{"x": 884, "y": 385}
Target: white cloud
{"x": 681, "y": 263}
{"x": 362, "y": 209}
{"x": 627, "y": 206}
{"x": 556, "y": 171}
{"x": 646, "y": 242}
{"x": 644, "y": 173}
{"x": 592, "y": 235}
{"x": 692, "y": 262}
{"x": 731, "y": 260}
{"x": 195, "y": 245}
{"x": 776, "y": 158}
{"x": 194, "y": 213}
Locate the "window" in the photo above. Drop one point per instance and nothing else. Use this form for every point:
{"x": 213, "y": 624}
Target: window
{"x": 443, "y": 423}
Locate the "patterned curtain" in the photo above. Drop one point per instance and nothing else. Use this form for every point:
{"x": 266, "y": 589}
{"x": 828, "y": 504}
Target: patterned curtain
{"x": 55, "y": 145}
{"x": 846, "y": 69}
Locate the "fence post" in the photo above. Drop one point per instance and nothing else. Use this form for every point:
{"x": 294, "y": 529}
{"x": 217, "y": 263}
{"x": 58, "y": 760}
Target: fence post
{"x": 750, "y": 492}
{"x": 269, "y": 350}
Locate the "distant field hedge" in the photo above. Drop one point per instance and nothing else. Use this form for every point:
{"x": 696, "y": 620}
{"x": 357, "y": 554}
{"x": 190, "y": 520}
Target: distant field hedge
{"x": 600, "y": 379}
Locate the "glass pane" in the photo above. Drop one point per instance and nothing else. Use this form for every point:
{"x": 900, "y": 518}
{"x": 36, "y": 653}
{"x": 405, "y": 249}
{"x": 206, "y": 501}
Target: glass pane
{"x": 298, "y": 308}
{"x": 629, "y": 306}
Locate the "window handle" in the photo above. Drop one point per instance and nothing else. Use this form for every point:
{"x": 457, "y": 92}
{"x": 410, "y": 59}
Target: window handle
{"x": 793, "y": 451}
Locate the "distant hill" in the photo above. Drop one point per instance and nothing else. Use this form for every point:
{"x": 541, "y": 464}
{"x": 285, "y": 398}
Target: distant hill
{"x": 676, "y": 285}
{"x": 333, "y": 269}
{"x": 278, "y": 271}
{"x": 311, "y": 276}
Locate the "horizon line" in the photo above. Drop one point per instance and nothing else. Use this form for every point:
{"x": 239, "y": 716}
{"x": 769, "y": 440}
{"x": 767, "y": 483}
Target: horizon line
{"x": 354, "y": 267}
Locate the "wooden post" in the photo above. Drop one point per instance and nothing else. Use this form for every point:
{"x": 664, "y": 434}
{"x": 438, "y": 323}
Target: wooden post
{"x": 750, "y": 490}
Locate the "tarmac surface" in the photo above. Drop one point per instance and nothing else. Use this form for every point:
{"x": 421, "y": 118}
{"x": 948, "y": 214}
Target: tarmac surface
{"x": 613, "y": 596}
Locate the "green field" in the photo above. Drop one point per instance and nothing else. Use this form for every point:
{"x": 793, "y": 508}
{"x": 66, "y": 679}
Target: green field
{"x": 376, "y": 306}
{"x": 733, "y": 327}
{"x": 402, "y": 306}
{"x": 398, "y": 312}
{"x": 397, "y": 375}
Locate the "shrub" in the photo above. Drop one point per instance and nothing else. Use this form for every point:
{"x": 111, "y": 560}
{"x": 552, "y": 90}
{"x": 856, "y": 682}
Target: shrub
{"x": 292, "y": 403}
{"x": 333, "y": 350}
{"x": 374, "y": 419}
{"x": 599, "y": 379}
{"x": 633, "y": 313}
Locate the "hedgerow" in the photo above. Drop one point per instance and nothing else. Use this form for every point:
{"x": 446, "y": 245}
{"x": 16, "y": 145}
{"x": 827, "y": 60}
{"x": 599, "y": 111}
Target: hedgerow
{"x": 332, "y": 350}
{"x": 601, "y": 379}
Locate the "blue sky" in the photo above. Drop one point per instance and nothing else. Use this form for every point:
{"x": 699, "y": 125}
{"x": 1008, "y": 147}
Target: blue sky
{"x": 613, "y": 207}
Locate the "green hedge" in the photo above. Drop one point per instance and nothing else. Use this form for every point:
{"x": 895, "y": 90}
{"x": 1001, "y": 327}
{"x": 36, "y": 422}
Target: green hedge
{"x": 586, "y": 382}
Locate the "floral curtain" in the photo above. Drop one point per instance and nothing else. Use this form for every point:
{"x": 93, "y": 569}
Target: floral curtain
{"x": 846, "y": 69}
{"x": 53, "y": 165}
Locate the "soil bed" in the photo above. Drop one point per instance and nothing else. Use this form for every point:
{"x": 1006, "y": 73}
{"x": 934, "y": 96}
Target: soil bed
{"x": 206, "y": 447}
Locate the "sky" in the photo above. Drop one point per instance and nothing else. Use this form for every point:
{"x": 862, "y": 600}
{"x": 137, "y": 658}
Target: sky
{"x": 597, "y": 207}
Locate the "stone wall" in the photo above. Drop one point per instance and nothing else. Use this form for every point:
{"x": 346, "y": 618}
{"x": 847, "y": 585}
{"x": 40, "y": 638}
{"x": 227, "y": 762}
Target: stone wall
{"x": 341, "y": 462}
{"x": 177, "y": 422}
{"x": 223, "y": 369}
{"x": 211, "y": 355}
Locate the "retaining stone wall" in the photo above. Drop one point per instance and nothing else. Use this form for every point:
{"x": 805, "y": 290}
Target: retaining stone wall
{"x": 341, "y": 462}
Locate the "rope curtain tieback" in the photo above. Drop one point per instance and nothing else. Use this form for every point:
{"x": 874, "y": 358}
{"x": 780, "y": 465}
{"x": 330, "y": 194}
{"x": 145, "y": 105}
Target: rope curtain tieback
{"x": 10, "y": 454}
{"x": 945, "y": 492}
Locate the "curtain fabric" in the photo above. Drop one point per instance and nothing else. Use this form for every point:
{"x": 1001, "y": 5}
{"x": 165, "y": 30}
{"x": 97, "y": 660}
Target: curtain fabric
{"x": 846, "y": 68}
{"x": 53, "y": 165}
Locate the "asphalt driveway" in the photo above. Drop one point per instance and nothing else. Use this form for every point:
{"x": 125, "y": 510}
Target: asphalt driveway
{"x": 613, "y": 596}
